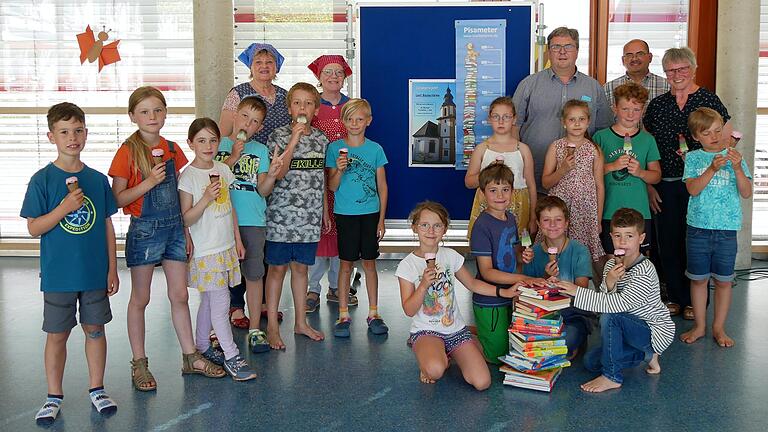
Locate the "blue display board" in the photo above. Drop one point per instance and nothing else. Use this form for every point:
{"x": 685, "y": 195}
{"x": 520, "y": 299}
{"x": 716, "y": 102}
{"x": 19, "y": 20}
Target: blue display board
{"x": 399, "y": 43}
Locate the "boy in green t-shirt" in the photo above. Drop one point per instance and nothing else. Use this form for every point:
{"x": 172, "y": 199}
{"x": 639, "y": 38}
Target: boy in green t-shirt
{"x": 631, "y": 160}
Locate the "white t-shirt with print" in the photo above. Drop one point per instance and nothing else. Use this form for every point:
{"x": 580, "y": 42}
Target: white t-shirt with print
{"x": 439, "y": 312}
{"x": 214, "y": 231}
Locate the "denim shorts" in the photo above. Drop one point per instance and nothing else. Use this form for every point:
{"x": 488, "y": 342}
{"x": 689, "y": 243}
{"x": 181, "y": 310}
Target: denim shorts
{"x": 280, "y": 253}
{"x": 59, "y": 309}
{"x": 451, "y": 341}
{"x": 710, "y": 253}
{"x": 150, "y": 241}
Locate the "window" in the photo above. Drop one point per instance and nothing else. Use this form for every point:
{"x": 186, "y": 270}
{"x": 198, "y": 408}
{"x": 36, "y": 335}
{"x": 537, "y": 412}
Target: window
{"x": 760, "y": 196}
{"x": 40, "y": 66}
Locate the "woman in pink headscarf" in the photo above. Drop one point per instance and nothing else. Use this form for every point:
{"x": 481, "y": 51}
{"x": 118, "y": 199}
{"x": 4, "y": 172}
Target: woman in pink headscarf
{"x": 331, "y": 71}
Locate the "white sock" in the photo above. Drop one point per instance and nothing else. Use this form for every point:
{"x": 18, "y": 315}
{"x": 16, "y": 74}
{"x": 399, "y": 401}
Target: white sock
{"x": 50, "y": 409}
{"x": 103, "y": 403}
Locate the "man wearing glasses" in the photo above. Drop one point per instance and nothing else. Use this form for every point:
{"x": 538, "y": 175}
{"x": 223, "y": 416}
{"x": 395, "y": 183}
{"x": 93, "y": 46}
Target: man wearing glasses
{"x": 636, "y": 59}
{"x": 539, "y": 98}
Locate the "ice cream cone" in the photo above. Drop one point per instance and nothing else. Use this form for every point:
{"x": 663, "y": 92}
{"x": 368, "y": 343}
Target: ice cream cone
{"x": 552, "y": 254}
{"x": 72, "y": 184}
{"x": 618, "y": 255}
{"x": 242, "y": 135}
{"x": 430, "y": 258}
{"x": 214, "y": 176}
{"x": 157, "y": 156}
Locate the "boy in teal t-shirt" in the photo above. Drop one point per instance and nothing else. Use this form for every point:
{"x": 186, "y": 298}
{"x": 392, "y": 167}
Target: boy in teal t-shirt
{"x": 573, "y": 264}
{"x": 716, "y": 176}
{"x": 68, "y": 205}
{"x": 254, "y": 180}
{"x": 631, "y": 160}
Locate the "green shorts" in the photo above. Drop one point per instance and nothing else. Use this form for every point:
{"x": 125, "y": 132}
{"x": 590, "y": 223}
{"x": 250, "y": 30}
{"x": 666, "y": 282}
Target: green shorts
{"x": 492, "y": 330}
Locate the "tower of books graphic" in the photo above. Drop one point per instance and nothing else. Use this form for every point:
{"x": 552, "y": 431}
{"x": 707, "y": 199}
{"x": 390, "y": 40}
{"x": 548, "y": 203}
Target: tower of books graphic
{"x": 470, "y": 103}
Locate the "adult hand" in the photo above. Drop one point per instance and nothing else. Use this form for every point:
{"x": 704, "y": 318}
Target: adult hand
{"x": 654, "y": 199}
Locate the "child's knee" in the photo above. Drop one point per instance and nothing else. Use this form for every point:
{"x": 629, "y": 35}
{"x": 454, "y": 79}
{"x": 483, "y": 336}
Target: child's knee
{"x": 480, "y": 379}
{"x": 178, "y": 296}
{"x": 369, "y": 265}
{"x": 435, "y": 368}
{"x": 93, "y": 332}
{"x": 58, "y": 338}
{"x": 139, "y": 299}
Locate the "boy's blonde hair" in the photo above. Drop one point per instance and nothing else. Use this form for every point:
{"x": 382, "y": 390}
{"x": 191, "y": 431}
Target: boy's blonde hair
{"x": 702, "y": 119}
{"x": 628, "y": 218}
{"x": 354, "y": 105}
{"x": 630, "y": 91}
{"x": 434, "y": 207}
{"x": 496, "y": 173}
{"x": 141, "y": 152}
{"x": 64, "y": 111}
{"x": 309, "y": 88}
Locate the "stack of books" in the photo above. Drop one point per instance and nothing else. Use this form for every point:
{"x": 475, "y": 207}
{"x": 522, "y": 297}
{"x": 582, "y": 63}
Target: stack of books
{"x": 537, "y": 350}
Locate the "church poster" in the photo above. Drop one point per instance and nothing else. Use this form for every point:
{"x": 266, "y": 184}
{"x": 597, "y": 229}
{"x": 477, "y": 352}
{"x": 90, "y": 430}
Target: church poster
{"x": 431, "y": 123}
{"x": 480, "y": 78}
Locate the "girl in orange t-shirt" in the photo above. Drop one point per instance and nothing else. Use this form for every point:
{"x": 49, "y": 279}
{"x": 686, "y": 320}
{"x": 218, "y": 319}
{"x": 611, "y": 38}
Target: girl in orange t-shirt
{"x": 145, "y": 171}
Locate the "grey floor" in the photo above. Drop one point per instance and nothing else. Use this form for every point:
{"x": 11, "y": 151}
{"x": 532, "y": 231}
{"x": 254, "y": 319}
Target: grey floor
{"x": 368, "y": 382}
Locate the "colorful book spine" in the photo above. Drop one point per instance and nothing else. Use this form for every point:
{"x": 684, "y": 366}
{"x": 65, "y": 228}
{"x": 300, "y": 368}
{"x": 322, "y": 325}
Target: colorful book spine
{"x": 535, "y": 337}
{"x": 537, "y": 322}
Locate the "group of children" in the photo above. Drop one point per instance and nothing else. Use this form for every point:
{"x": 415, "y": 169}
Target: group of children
{"x": 236, "y": 205}
{"x": 240, "y": 203}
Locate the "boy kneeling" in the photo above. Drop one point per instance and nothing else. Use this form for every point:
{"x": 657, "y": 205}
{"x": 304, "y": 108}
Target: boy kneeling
{"x": 635, "y": 326}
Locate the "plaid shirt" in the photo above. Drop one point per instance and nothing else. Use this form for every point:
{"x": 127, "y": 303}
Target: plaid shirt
{"x": 656, "y": 86}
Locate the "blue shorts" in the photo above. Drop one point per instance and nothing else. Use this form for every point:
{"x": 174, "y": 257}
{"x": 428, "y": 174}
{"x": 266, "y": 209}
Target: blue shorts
{"x": 451, "y": 341}
{"x": 280, "y": 253}
{"x": 150, "y": 241}
{"x": 710, "y": 253}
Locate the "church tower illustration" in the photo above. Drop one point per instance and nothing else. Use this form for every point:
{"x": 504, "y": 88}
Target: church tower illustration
{"x": 447, "y": 124}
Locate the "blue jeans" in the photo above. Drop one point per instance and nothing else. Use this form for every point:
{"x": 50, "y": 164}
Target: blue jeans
{"x": 626, "y": 342}
{"x": 711, "y": 253}
{"x": 316, "y": 271}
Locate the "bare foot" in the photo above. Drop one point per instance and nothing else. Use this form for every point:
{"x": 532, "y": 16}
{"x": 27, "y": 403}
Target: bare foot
{"x": 692, "y": 335}
{"x": 425, "y": 379}
{"x": 274, "y": 340}
{"x": 599, "y": 384}
{"x": 722, "y": 339}
{"x": 309, "y": 332}
{"x": 654, "y": 368}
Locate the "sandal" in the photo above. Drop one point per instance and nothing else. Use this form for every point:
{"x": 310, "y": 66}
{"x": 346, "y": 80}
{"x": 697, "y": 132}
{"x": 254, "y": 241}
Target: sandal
{"x": 141, "y": 375}
{"x": 241, "y": 323}
{"x": 674, "y": 309}
{"x": 313, "y": 300}
{"x": 210, "y": 370}
{"x": 688, "y": 313}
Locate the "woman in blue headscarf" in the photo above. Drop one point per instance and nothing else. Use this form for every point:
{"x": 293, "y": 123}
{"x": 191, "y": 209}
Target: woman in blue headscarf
{"x": 264, "y": 61}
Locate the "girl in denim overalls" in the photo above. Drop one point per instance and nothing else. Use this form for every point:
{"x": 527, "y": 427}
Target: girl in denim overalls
{"x": 147, "y": 192}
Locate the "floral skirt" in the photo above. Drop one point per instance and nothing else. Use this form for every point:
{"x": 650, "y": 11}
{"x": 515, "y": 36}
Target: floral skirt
{"x": 216, "y": 271}
{"x": 519, "y": 205}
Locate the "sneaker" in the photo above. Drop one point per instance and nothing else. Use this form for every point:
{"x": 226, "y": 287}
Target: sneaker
{"x": 333, "y": 297}
{"x": 215, "y": 356}
{"x": 313, "y": 300}
{"x": 341, "y": 328}
{"x": 238, "y": 369}
{"x": 377, "y": 326}
{"x": 257, "y": 340}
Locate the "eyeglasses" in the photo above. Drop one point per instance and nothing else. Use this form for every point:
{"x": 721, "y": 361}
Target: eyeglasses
{"x": 566, "y": 47}
{"x": 424, "y": 227}
{"x": 505, "y": 118}
{"x": 635, "y": 54}
{"x": 678, "y": 71}
{"x": 335, "y": 72}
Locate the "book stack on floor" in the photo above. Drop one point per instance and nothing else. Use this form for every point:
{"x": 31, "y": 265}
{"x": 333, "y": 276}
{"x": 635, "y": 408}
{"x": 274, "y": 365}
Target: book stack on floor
{"x": 537, "y": 350}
